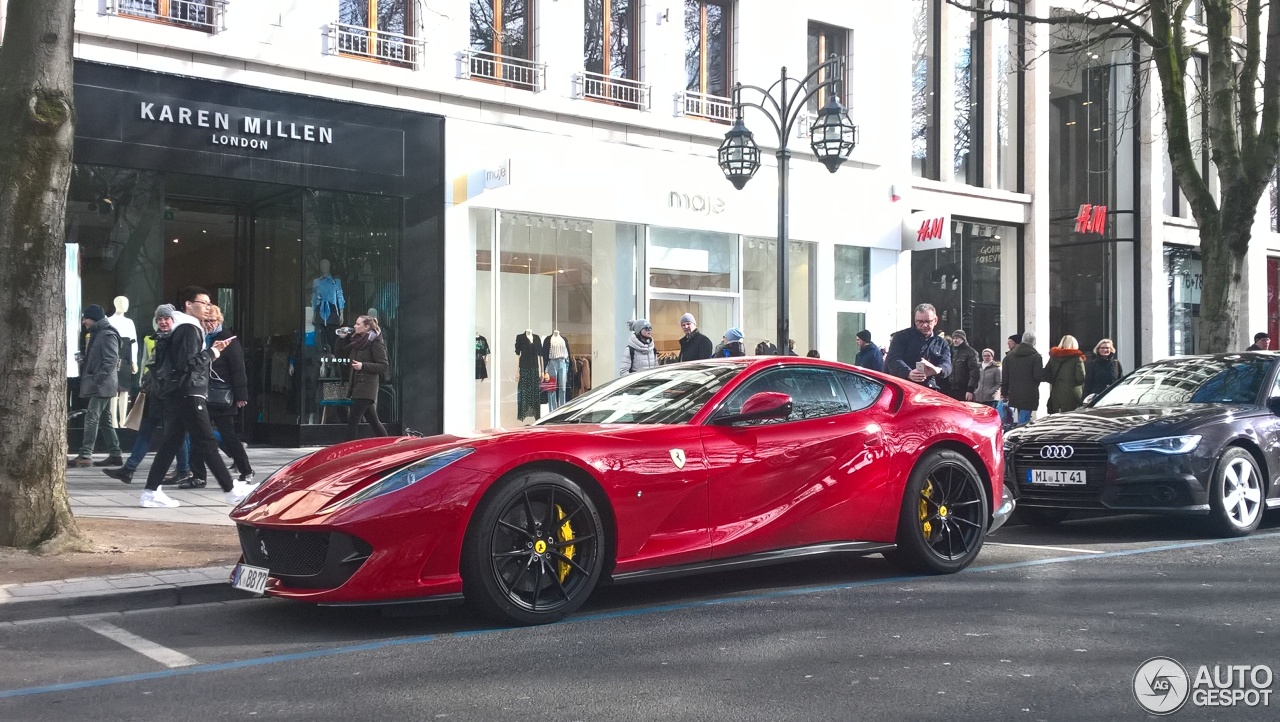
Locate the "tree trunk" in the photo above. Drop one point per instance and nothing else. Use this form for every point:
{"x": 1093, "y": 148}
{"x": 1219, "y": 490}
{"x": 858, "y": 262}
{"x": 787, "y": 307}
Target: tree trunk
{"x": 37, "y": 128}
{"x": 1222, "y": 300}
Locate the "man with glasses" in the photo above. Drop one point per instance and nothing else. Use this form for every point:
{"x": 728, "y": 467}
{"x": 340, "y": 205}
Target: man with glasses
{"x": 917, "y": 354}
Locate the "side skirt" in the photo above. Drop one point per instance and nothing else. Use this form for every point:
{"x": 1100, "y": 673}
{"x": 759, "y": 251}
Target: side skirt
{"x": 754, "y": 560}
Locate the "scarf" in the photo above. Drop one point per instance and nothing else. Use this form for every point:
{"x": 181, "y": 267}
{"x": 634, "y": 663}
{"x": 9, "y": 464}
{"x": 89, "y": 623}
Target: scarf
{"x": 209, "y": 336}
{"x": 362, "y": 340}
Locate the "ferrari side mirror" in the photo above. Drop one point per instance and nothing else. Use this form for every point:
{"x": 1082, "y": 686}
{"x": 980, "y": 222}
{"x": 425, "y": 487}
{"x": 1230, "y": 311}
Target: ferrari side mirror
{"x": 764, "y": 405}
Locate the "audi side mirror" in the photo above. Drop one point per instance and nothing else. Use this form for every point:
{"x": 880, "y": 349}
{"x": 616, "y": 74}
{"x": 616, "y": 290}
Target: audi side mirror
{"x": 764, "y": 405}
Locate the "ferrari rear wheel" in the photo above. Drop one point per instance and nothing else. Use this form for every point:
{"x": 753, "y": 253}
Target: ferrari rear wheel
{"x": 532, "y": 553}
{"x": 1236, "y": 494}
{"x": 944, "y": 515}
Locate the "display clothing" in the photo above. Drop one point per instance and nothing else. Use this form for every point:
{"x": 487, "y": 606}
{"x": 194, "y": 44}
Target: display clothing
{"x": 528, "y": 394}
{"x": 1065, "y": 375}
{"x": 327, "y": 300}
{"x": 482, "y": 354}
{"x": 555, "y": 351}
{"x": 529, "y": 350}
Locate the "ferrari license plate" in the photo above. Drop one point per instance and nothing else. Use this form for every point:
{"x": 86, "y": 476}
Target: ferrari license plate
{"x": 250, "y": 579}
{"x": 1055, "y": 476}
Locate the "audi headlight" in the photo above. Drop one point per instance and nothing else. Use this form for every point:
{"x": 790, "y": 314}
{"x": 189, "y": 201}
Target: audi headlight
{"x": 1164, "y": 444}
{"x": 402, "y": 478}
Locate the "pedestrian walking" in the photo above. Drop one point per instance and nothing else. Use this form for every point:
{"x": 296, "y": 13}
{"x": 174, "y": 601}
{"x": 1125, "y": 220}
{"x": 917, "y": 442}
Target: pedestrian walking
{"x": 915, "y": 353}
{"x": 694, "y": 345}
{"x": 153, "y": 412}
{"x": 966, "y": 368}
{"x": 228, "y": 393}
{"x": 1261, "y": 342}
{"x": 639, "y": 353}
{"x": 1103, "y": 369}
{"x": 1065, "y": 374}
{"x": 732, "y": 345}
{"x": 869, "y": 355}
{"x": 1020, "y": 377}
{"x": 363, "y": 344}
{"x": 182, "y": 376}
{"x": 98, "y": 383}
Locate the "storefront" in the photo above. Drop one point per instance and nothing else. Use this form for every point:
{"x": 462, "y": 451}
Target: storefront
{"x": 298, "y": 214}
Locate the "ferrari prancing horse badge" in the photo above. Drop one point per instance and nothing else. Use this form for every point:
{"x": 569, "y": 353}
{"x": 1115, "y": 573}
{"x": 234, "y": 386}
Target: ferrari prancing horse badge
{"x": 677, "y": 458}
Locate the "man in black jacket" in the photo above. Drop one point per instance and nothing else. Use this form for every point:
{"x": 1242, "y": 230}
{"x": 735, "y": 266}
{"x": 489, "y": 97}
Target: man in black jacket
{"x": 966, "y": 369}
{"x": 694, "y": 346}
{"x": 98, "y": 384}
{"x": 182, "y": 378}
{"x": 916, "y": 354}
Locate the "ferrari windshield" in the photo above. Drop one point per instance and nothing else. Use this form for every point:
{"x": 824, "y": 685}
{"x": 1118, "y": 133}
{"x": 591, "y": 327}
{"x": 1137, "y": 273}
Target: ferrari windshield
{"x": 1229, "y": 380}
{"x": 665, "y": 395}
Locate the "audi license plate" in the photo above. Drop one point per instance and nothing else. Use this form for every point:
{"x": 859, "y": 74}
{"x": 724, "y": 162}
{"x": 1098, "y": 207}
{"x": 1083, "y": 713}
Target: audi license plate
{"x": 250, "y": 579}
{"x": 1055, "y": 476}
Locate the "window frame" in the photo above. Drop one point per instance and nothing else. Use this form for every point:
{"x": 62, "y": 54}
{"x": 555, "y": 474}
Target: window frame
{"x": 163, "y": 14}
{"x": 495, "y": 46}
{"x": 371, "y": 40}
{"x": 823, "y": 32}
{"x": 728, "y": 8}
{"x": 607, "y": 25}
{"x": 738, "y": 396}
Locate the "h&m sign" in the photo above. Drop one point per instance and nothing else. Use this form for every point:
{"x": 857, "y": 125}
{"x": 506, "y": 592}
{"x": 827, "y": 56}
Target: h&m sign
{"x": 926, "y": 231}
{"x": 1091, "y": 219}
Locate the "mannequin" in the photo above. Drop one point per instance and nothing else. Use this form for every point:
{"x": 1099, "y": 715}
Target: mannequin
{"x": 529, "y": 376}
{"x": 482, "y": 356}
{"x": 119, "y": 408}
{"x": 555, "y": 351}
{"x": 327, "y": 303}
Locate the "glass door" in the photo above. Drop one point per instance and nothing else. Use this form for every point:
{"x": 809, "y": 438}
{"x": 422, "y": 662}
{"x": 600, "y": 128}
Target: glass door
{"x": 279, "y": 354}
{"x": 714, "y": 314}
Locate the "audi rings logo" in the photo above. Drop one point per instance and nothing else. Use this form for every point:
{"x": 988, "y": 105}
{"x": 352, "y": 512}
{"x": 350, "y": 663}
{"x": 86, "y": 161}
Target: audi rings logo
{"x": 1057, "y": 451}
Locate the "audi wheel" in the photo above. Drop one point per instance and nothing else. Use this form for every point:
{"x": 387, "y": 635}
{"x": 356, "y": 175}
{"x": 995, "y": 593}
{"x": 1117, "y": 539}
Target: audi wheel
{"x": 1235, "y": 494}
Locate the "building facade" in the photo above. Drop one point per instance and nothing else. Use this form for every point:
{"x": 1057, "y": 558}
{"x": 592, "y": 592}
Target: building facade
{"x": 473, "y": 171}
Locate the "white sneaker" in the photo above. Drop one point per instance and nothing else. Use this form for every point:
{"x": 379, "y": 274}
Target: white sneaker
{"x": 157, "y": 500}
{"x": 239, "y": 490}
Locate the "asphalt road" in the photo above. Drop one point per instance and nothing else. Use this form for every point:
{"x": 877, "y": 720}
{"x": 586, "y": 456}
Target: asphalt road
{"x": 1047, "y": 625}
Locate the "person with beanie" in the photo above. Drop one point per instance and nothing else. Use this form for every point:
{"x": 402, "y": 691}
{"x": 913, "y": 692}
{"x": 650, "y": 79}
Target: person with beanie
{"x": 639, "y": 353}
{"x": 732, "y": 345}
{"x": 694, "y": 345}
{"x": 98, "y": 383}
{"x": 869, "y": 355}
{"x": 1020, "y": 377}
{"x": 966, "y": 369}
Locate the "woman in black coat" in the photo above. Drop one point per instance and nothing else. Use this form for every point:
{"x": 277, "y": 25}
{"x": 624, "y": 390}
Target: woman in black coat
{"x": 1103, "y": 369}
{"x": 227, "y": 373}
{"x": 369, "y": 363}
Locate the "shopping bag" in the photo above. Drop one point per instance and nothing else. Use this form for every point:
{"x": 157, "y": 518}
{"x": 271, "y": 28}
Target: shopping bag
{"x": 134, "y": 419}
{"x": 548, "y": 383}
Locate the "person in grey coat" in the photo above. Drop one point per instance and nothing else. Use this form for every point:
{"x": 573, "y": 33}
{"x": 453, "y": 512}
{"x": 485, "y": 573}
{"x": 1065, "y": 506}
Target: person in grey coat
{"x": 639, "y": 353}
{"x": 98, "y": 384}
{"x": 1021, "y": 376}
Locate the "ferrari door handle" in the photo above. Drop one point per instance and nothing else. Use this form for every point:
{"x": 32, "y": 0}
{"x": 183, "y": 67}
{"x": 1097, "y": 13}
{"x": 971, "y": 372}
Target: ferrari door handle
{"x": 873, "y": 441}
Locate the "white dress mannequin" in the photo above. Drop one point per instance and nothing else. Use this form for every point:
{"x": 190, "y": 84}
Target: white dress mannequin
{"x": 119, "y": 408}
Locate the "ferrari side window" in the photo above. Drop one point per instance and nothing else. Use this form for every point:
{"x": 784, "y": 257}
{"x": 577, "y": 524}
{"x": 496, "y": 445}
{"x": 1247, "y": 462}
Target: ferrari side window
{"x": 862, "y": 391}
{"x": 815, "y": 393}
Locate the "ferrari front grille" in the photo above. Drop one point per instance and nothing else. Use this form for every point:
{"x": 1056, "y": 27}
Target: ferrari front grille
{"x": 288, "y": 553}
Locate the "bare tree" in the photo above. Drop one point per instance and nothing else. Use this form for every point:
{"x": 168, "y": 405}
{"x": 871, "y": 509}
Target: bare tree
{"x": 1241, "y": 118}
{"x": 37, "y": 126}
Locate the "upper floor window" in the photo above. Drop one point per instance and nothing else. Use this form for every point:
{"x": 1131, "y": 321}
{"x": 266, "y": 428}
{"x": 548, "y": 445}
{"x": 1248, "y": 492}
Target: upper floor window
{"x": 825, "y": 41}
{"x": 611, "y": 41}
{"x": 195, "y": 14}
{"x": 503, "y": 27}
{"x": 708, "y": 28}
{"x": 377, "y": 29}
{"x": 924, "y": 88}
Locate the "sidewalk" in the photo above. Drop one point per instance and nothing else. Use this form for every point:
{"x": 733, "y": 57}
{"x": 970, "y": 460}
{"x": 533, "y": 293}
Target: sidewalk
{"x": 93, "y": 494}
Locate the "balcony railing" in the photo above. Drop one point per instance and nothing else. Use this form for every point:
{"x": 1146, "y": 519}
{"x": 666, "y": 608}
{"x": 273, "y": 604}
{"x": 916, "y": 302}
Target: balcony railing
{"x": 205, "y": 15}
{"x": 702, "y": 105}
{"x": 608, "y": 89}
{"x": 381, "y": 45}
{"x": 502, "y": 69}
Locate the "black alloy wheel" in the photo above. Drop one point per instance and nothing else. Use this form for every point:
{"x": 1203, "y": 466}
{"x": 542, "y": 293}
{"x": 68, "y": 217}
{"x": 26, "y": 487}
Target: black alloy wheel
{"x": 944, "y": 515}
{"x": 533, "y": 550}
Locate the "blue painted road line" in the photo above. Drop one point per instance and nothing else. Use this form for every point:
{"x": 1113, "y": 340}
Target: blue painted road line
{"x": 665, "y": 608}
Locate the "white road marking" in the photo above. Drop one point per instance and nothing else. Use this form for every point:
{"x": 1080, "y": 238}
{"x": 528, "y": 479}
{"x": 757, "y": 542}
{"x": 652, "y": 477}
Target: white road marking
{"x": 168, "y": 657}
{"x": 1038, "y": 546}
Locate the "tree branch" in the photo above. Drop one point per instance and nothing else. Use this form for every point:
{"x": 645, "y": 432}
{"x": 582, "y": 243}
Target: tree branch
{"x": 1128, "y": 18}
{"x": 1248, "y": 89}
{"x": 1224, "y": 123}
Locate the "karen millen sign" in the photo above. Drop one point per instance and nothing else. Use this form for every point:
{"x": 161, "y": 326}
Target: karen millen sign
{"x": 243, "y": 131}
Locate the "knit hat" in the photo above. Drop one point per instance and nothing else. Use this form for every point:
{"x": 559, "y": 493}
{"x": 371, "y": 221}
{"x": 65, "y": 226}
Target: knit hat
{"x": 688, "y": 318}
{"x": 165, "y": 310}
{"x": 94, "y": 312}
{"x": 640, "y": 324}
{"x": 960, "y": 334}
{"x": 1016, "y": 338}
{"x": 733, "y": 334}
{"x": 865, "y": 335}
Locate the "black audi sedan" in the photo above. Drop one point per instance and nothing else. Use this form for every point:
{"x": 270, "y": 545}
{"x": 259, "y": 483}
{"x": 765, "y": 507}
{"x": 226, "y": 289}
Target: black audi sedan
{"x": 1195, "y": 435}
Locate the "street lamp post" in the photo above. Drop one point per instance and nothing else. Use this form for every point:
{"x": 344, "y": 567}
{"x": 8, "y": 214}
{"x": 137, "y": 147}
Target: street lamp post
{"x": 832, "y": 138}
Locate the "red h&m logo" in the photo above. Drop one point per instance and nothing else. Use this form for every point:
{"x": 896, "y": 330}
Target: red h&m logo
{"x": 930, "y": 230}
{"x": 1091, "y": 219}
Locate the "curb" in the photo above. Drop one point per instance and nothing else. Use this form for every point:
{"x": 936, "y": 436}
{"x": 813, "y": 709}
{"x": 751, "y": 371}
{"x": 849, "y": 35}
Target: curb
{"x": 18, "y": 609}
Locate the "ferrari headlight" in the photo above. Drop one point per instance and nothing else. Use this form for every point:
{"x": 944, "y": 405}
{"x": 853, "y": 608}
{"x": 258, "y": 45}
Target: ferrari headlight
{"x": 1164, "y": 444}
{"x": 401, "y": 478}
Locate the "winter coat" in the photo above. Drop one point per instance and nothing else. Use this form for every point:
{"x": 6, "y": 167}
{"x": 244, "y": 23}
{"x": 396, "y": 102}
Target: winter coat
{"x": 870, "y": 357}
{"x": 1020, "y": 377}
{"x": 966, "y": 370}
{"x": 183, "y": 368}
{"x": 101, "y": 361}
{"x": 909, "y": 346}
{"x": 374, "y": 363}
{"x": 637, "y": 356}
{"x": 230, "y": 368}
{"x": 1099, "y": 373}
{"x": 695, "y": 347}
{"x": 731, "y": 349}
{"x": 1065, "y": 376}
{"x": 988, "y": 383}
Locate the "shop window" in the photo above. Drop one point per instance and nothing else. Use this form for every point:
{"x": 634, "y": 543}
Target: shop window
{"x": 760, "y": 292}
{"x": 381, "y": 30}
{"x": 204, "y": 15}
{"x": 825, "y": 41}
{"x": 964, "y": 49}
{"x": 1007, "y": 52}
{"x": 693, "y": 260}
{"x": 708, "y": 41}
{"x": 502, "y": 44}
{"x": 848, "y": 324}
{"x": 924, "y": 88}
{"x": 1183, "y": 271}
{"x": 971, "y": 284}
{"x": 853, "y": 273}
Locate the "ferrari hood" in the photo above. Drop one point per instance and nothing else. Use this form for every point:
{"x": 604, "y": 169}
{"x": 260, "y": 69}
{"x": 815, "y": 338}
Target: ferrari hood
{"x": 1099, "y": 424}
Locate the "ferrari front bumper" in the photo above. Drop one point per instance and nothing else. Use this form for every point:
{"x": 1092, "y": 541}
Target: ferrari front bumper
{"x": 1004, "y": 510}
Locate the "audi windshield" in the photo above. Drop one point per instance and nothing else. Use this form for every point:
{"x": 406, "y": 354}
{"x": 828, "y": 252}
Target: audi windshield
{"x": 1221, "y": 380}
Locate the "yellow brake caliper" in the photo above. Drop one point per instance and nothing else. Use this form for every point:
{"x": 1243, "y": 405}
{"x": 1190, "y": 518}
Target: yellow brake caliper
{"x": 566, "y": 534}
{"x": 925, "y": 495}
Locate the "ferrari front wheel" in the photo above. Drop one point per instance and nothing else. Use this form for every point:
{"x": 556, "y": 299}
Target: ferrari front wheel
{"x": 943, "y": 517}
{"x": 532, "y": 552}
